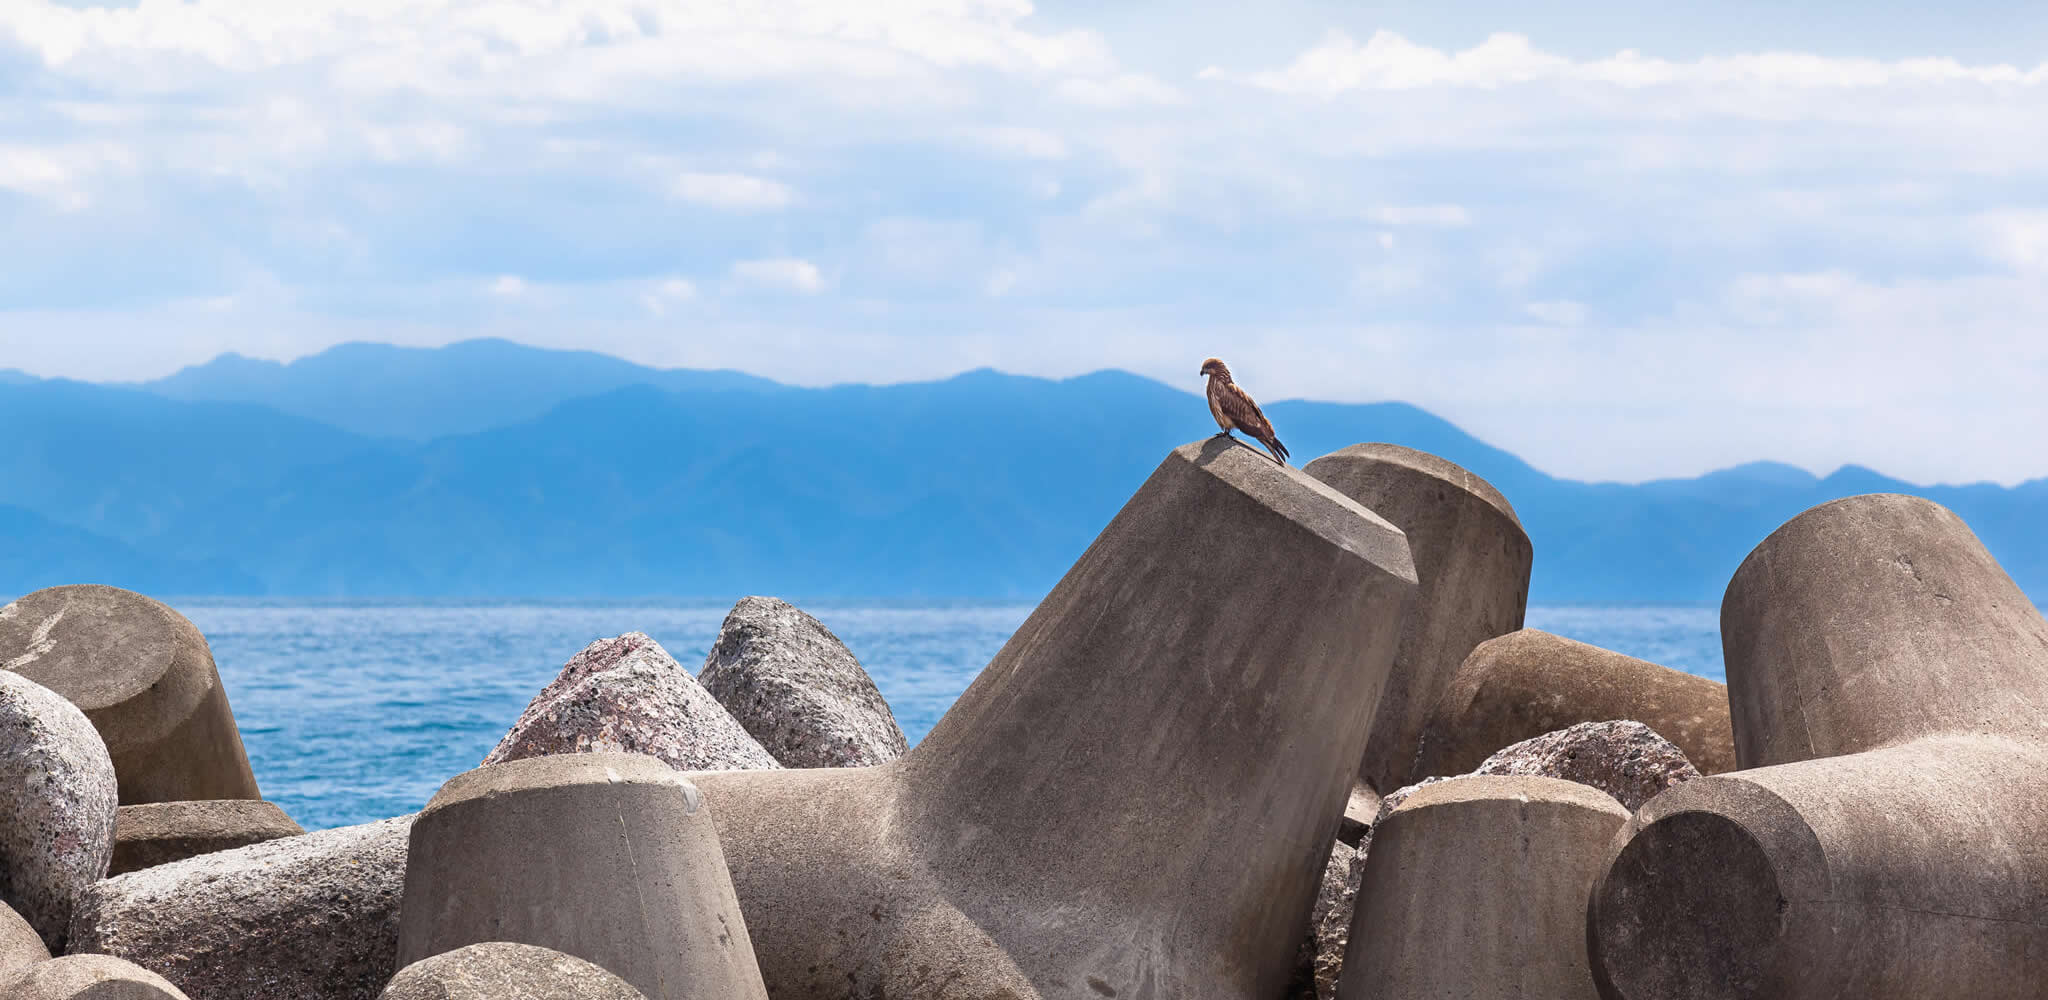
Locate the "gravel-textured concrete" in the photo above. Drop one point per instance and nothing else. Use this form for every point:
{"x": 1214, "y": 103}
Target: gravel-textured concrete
{"x": 627, "y": 695}
{"x": 1135, "y": 798}
{"x": 798, "y": 689}
{"x": 57, "y": 801}
{"x": 145, "y": 677}
{"x": 1475, "y": 888}
{"x": 1623, "y": 759}
{"x": 157, "y": 833}
{"x": 500, "y": 970}
{"x": 1889, "y": 685}
{"x": 1530, "y": 682}
{"x": 609, "y": 857}
{"x": 313, "y": 917}
{"x": 1472, "y": 566}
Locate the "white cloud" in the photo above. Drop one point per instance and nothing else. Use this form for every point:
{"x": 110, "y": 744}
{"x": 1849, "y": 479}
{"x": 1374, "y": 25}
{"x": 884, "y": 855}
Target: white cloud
{"x": 661, "y": 295}
{"x": 737, "y": 191}
{"x": 1525, "y": 241}
{"x": 1447, "y": 216}
{"x": 1018, "y": 141}
{"x": 789, "y": 274}
{"x": 1387, "y": 61}
{"x": 1562, "y": 312}
{"x": 1125, "y": 90}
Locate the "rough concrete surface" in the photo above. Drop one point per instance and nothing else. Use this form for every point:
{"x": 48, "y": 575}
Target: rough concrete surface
{"x": 1889, "y": 683}
{"x": 1330, "y": 926}
{"x": 1475, "y": 888}
{"x": 313, "y": 917}
{"x": 157, "y": 833}
{"x": 89, "y": 977}
{"x": 57, "y": 800}
{"x": 798, "y": 689}
{"x": 609, "y": 857}
{"x": 1472, "y": 566}
{"x": 627, "y": 695}
{"x": 1135, "y": 798}
{"x": 20, "y": 945}
{"x": 1359, "y": 812}
{"x": 1530, "y": 682}
{"x": 1623, "y": 759}
{"x": 145, "y": 677}
{"x": 500, "y": 970}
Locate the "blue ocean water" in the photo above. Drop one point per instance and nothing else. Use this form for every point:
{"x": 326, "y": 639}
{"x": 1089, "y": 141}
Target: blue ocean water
{"x": 355, "y": 711}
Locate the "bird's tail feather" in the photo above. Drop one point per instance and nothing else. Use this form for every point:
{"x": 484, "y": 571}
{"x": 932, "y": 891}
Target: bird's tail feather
{"x": 1279, "y": 450}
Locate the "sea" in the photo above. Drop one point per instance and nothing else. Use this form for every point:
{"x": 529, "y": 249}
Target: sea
{"x": 354, "y": 711}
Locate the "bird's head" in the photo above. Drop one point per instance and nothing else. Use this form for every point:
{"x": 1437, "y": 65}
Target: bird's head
{"x": 1215, "y": 366}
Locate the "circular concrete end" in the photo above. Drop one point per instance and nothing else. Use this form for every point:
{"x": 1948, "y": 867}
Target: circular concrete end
{"x": 97, "y": 646}
{"x": 1690, "y": 908}
{"x": 145, "y": 677}
{"x": 1435, "y": 467}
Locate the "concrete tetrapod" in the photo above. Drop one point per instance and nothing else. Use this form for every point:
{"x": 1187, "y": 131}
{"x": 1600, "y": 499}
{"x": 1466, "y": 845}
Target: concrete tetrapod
{"x": 1890, "y": 693}
{"x": 89, "y": 977}
{"x": 144, "y": 675}
{"x": 1134, "y": 798}
{"x": 500, "y": 970}
{"x": 1475, "y": 888}
{"x": 158, "y": 833}
{"x": 1472, "y": 570}
{"x": 1528, "y": 683}
{"x": 609, "y": 857}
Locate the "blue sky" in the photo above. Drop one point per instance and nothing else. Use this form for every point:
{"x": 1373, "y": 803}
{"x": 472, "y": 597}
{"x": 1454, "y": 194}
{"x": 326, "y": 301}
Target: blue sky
{"x": 1622, "y": 244}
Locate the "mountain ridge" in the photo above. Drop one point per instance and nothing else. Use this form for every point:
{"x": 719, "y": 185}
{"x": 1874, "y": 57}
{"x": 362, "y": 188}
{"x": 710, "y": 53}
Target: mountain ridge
{"x": 712, "y": 484}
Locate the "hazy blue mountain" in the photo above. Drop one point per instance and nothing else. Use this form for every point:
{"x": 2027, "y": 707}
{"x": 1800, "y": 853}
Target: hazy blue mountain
{"x": 979, "y": 485}
{"x": 39, "y": 551}
{"x": 420, "y": 393}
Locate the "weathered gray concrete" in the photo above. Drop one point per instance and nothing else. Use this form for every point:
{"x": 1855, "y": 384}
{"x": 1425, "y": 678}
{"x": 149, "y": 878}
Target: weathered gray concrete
{"x": 1472, "y": 567}
{"x": 1135, "y": 797}
{"x": 20, "y": 945}
{"x": 145, "y": 677}
{"x": 1359, "y": 812}
{"x": 1475, "y": 888}
{"x": 57, "y": 798}
{"x": 609, "y": 857}
{"x": 313, "y": 917}
{"x": 1530, "y": 682}
{"x": 798, "y": 689}
{"x": 89, "y": 977}
{"x": 500, "y": 970}
{"x": 1890, "y": 692}
{"x": 157, "y": 833}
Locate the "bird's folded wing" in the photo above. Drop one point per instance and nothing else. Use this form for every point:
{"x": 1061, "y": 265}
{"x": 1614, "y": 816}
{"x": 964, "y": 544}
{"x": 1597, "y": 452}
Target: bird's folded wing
{"x": 1238, "y": 406}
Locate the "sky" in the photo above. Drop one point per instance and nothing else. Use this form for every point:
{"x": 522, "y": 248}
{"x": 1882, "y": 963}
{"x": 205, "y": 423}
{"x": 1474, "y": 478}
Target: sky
{"x": 1622, "y": 242}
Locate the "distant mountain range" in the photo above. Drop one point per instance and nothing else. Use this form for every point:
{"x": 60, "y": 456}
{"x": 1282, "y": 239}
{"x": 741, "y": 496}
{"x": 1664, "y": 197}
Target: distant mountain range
{"x": 491, "y": 469}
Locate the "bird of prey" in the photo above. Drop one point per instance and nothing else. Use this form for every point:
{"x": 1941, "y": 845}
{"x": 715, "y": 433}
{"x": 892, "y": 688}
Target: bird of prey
{"x": 1233, "y": 409}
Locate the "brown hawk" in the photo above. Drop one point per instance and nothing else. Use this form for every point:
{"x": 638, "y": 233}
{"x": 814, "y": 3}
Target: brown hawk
{"x": 1234, "y": 410}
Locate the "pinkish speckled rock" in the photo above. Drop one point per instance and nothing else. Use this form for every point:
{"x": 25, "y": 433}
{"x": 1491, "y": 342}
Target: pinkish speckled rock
{"x": 628, "y": 695}
{"x": 57, "y": 805}
{"x": 1627, "y": 760}
{"x": 798, "y": 689}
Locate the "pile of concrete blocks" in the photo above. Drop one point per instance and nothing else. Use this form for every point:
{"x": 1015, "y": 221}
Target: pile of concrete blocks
{"x": 1277, "y": 733}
